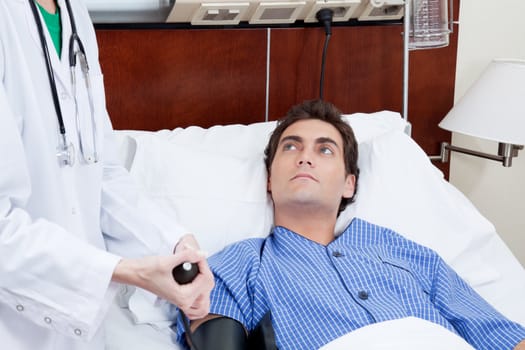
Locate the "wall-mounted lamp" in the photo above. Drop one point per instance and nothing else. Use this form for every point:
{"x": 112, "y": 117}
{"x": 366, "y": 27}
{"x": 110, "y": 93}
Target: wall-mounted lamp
{"x": 494, "y": 109}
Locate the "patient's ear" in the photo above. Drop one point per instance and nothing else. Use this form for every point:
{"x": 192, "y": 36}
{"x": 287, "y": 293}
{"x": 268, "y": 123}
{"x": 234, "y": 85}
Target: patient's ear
{"x": 349, "y": 189}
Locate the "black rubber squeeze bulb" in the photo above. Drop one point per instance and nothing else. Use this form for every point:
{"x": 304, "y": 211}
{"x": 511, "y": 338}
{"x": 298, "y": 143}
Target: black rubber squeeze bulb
{"x": 185, "y": 272}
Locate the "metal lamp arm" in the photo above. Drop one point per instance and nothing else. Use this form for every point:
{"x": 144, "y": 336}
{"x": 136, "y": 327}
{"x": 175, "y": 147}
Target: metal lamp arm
{"x": 506, "y": 151}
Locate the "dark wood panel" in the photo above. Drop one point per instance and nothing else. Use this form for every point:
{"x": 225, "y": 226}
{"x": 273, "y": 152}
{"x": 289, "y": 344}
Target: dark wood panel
{"x": 159, "y": 79}
{"x": 363, "y": 68}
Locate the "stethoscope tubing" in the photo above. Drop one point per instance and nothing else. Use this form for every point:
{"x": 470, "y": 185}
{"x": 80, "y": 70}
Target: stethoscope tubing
{"x": 74, "y": 38}
{"x": 50, "y": 75}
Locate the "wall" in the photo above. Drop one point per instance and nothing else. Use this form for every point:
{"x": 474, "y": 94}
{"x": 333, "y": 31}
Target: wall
{"x": 487, "y": 30}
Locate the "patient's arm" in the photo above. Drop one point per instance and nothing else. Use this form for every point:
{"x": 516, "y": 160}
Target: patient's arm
{"x": 217, "y": 332}
{"x": 520, "y": 346}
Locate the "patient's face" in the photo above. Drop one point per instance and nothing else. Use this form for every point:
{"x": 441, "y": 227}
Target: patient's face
{"x": 309, "y": 169}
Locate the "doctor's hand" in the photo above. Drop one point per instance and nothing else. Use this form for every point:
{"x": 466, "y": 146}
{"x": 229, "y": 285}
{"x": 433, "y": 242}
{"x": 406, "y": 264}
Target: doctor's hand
{"x": 153, "y": 273}
{"x": 200, "y": 306}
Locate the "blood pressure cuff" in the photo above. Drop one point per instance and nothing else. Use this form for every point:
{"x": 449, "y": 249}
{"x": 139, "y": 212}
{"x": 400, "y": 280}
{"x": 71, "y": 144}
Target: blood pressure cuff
{"x": 224, "y": 333}
{"x": 263, "y": 336}
{"x": 219, "y": 333}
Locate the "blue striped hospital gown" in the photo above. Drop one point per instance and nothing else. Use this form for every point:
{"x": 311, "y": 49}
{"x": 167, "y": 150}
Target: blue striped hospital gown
{"x": 367, "y": 274}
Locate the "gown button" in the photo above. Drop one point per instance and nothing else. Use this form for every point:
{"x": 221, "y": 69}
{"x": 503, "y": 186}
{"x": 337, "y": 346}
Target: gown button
{"x": 362, "y": 295}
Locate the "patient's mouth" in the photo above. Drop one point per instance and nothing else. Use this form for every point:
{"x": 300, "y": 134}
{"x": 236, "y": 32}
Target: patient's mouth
{"x": 304, "y": 176}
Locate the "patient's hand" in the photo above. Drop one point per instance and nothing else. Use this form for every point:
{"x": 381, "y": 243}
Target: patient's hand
{"x": 520, "y": 346}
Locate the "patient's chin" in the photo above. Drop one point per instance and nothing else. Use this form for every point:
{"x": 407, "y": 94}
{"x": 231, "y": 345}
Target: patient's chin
{"x": 409, "y": 333}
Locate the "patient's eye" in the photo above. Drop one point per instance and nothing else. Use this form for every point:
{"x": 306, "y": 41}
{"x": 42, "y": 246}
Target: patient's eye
{"x": 326, "y": 150}
{"x": 289, "y": 146}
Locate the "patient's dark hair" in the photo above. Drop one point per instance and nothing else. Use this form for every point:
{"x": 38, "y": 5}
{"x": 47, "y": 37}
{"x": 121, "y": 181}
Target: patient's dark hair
{"x": 326, "y": 112}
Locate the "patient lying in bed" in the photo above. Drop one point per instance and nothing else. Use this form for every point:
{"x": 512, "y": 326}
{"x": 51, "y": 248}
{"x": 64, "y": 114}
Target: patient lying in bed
{"x": 318, "y": 286}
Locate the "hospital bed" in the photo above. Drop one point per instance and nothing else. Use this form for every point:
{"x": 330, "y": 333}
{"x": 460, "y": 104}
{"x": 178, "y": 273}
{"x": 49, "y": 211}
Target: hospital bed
{"x": 214, "y": 179}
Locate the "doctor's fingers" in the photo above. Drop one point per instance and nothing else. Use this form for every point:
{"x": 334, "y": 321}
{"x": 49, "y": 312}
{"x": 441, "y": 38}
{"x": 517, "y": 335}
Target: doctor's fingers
{"x": 204, "y": 270}
{"x": 199, "y": 309}
{"x": 203, "y": 288}
{"x": 187, "y": 241}
{"x": 190, "y": 294}
{"x": 202, "y": 284}
{"x": 189, "y": 254}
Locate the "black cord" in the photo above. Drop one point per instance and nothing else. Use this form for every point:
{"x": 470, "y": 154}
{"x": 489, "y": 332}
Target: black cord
{"x": 187, "y": 329}
{"x": 324, "y": 16}
{"x": 321, "y": 82}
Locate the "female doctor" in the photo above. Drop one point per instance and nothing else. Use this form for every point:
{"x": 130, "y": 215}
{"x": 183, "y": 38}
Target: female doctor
{"x": 71, "y": 224}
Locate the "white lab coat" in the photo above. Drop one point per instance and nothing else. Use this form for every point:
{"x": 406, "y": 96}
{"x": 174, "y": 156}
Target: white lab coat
{"x": 57, "y": 223}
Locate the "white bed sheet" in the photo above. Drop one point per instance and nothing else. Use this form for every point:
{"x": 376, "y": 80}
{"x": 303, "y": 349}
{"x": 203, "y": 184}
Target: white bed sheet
{"x": 170, "y": 167}
{"x": 122, "y": 333}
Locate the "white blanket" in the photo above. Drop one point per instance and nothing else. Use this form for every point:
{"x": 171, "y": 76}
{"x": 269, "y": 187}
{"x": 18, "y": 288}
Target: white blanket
{"x": 407, "y": 334}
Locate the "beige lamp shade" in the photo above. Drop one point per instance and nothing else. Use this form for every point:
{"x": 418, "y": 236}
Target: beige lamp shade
{"x": 494, "y": 106}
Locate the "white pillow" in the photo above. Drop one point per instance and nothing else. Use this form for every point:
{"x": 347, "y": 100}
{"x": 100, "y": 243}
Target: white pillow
{"x": 219, "y": 197}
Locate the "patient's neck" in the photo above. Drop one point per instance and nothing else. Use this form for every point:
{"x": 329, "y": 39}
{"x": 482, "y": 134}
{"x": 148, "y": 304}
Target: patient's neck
{"x": 314, "y": 225}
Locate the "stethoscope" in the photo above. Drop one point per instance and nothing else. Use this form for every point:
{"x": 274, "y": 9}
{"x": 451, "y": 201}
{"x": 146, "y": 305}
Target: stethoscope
{"x": 66, "y": 151}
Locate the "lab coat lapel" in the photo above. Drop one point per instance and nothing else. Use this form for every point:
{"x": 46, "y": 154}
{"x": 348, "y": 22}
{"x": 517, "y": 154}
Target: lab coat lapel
{"x": 60, "y": 65}
{"x": 62, "y": 71}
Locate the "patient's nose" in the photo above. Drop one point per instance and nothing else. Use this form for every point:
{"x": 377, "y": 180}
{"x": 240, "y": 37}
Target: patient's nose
{"x": 304, "y": 160}
{"x": 305, "y": 157}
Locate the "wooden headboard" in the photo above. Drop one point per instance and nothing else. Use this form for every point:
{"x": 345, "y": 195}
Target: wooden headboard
{"x": 170, "y": 77}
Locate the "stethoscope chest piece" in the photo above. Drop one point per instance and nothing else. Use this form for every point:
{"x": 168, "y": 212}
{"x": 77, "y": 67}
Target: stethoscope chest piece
{"x": 65, "y": 154}
{"x": 91, "y": 159}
